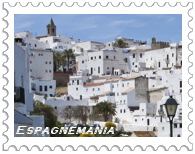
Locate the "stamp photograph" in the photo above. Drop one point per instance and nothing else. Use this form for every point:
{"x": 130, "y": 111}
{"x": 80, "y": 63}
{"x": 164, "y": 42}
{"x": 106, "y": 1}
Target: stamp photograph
{"x": 97, "y": 76}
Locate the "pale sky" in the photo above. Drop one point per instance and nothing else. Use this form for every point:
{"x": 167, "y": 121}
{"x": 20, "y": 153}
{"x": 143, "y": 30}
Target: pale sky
{"x": 105, "y": 27}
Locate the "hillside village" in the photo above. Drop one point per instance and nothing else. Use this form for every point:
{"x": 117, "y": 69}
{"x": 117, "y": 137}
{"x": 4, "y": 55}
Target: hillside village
{"x": 137, "y": 78}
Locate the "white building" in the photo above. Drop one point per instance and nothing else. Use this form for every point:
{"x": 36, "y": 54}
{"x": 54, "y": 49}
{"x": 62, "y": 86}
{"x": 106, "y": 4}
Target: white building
{"x": 23, "y": 96}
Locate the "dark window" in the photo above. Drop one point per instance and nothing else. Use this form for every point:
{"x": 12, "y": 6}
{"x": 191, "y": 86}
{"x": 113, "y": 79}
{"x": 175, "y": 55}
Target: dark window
{"x": 172, "y": 54}
{"x": 46, "y": 62}
{"x": 77, "y": 82}
{"x": 30, "y": 62}
{"x": 121, "y": 110}
{"x": 107, "y": 57}
{"x": 49, "y": 71}
{"x": 40, "y": 88}
{"x": 68, "y": 98}
{"x": 135, "y": 120}
{"x": 50, "y": 62}
{"x": 55, "y": 107}
{"x": 35, "y": 45}
{"x": 133, "y": 55}
{"x": 175, "y": 125}
{"x": 80, "y": 97}
{"x": 45, "y": 88}
{"x": 140, "y": 55}
{"x": 133, "y": 63}
{"x": 125, "y": 60}
{"x": 91, "y": 58}
{"x": 158, "y": 64}
{"x": 114, "y": 57}
{"x": 83, "y": 61}
{"x": 99, "y": 57}
{"x": 124, "y": 110}
{"x": 180, "y": 84}
{"x": 98, "y": 69}
{"x": 76, "y": 88}
{"x": 180, "y": 125}
{"x": 50, "y": 87}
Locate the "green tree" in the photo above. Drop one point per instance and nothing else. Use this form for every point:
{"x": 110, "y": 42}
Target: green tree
{"x": 67, "y": 56}
{"x": 57, "y": 60}
{"x": 106, "y": 109}
{"x": 120, "y": 43}
{"x": 47, "y": 111}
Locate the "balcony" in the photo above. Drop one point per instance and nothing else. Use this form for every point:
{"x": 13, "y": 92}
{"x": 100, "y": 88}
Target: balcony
{"x": 19, "y": 95}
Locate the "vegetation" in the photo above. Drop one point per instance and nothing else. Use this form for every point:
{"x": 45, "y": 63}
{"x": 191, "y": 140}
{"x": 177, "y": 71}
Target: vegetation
{"x": 67, "y": 56}
{"x": 106, "y": 109}
{"x": 110, "y": 124}
{"x": 120, "y": 43}
{"x": 87, "y": 135}
{"x": 62, "y": 59}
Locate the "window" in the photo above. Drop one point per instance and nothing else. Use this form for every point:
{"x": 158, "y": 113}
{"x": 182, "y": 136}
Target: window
{"x": 107, "y": 57}
{"x": 46, "y": 62}
{"x": 133, "y": 63}
{"x": 124, "y": 110}
{"x": 108, "y": 68}
{"x": 30, "y": 70}
{"x": 98, "y": 69}
{"x": 95, "y": 57}
{"x": 98, "y": 89}
{"x": 76, "y": 89}
{"x": 125, "y": 60}
{"x": 99, "y": 57}
{"x": 35, "y": 45}
{"x": 45, "y": 71}
{"x": 91, "y": 58}
{"x": 50, "y": 87}
{"x": 120, "y": 110}
{"x": 135, "y": 120}
{"x": 93, "y": 89}
{"x": 180, "y": 125}
{"x": 180, "y": 83}
{"x": 30, "y": 62}
{"x": 45, "y": 88}
{"x": 172, "y": 54}
{"x": 140, "y": 55}
{"x": 123, "y": 85}
{"x": 142, "y": 110}
{"x": 77, "y": 82}
{"x": 55, "y": 107}
{"x": 158, "y": 64}
{"x": 133, "y": 55}
{"x": 50, "y": 62}
{"x": 175, "y": 125}
{"x": 124, "y": 101}
{"x": 68, "y": 98}
{"x": 40, "y": 88}
{"x": 114, "y": 57}
{"x": 83, "y": 61}
{"x": 49, "y": 71}
{"x": 81, "y": 97}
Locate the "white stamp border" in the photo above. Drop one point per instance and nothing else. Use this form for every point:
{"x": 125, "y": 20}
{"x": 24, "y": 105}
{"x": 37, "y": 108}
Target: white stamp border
{"x": 97, "y": 143}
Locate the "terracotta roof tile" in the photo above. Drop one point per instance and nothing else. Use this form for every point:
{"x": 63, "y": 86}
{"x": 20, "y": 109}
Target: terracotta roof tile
{"x": 93, "y": 84}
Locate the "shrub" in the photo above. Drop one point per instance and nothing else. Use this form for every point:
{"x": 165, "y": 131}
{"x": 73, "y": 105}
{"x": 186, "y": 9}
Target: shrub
{"x": 110, "y": 124}
{"x": 87, "y": 135}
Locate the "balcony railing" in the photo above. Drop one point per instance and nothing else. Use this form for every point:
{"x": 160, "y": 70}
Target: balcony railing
{"x": 19, "y": 95}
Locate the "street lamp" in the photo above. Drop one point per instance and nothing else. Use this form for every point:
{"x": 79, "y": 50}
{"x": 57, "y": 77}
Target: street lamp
{"x": 161, "y": 112}
{"x": 171, "y": 107}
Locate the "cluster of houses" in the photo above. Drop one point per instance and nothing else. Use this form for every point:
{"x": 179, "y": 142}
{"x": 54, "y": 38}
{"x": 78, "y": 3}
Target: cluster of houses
{"x": 138, "y": 79}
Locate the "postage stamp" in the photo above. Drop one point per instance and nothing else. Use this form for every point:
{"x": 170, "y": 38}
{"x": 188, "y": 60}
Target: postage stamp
{"x": 97, "y": 74}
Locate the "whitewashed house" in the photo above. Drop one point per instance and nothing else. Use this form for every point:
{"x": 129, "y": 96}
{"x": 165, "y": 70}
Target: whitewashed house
{"x": 23, "y": 96}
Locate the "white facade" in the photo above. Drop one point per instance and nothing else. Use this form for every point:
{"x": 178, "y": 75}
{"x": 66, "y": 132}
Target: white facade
{"x": 23, "y": 96}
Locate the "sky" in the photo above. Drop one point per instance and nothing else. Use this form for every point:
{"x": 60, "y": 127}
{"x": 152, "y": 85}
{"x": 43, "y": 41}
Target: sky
{"x": 105, "y": 27}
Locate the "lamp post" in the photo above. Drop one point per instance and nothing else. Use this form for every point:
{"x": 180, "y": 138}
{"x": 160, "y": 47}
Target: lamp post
{"x": 161, "y": 112}
{"x": 171, "y": 107}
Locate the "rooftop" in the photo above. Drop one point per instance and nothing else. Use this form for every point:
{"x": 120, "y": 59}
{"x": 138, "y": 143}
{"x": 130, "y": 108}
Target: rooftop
{"x": 93, "y": 84}
{"x": 127, "y": 90}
